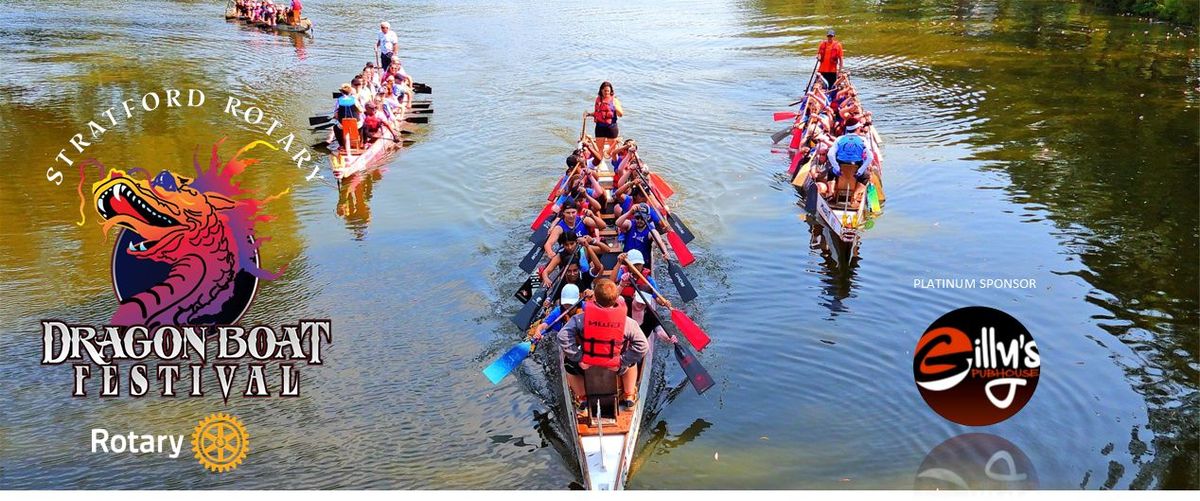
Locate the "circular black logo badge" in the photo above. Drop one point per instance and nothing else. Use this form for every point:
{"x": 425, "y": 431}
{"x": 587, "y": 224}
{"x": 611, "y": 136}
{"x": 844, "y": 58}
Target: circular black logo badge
{"x": 976, "y": 366}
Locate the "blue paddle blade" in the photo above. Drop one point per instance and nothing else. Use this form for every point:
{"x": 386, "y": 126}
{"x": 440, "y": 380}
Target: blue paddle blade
{"x": 504, "y": 365}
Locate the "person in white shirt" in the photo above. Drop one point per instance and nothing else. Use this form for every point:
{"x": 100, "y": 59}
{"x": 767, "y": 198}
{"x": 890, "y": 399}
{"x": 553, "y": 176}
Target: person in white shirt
{"x": 387, "y": 44}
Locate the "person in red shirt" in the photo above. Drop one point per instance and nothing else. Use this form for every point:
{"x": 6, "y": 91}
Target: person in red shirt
{"x": 829, "y": 59}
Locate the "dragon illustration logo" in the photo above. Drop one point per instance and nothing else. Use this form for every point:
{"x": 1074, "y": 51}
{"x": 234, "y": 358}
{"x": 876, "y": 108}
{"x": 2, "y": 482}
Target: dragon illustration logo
{"x": 187, "y": 253}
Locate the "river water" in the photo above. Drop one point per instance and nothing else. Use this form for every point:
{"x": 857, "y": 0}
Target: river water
{"x": 1023, "y": 139}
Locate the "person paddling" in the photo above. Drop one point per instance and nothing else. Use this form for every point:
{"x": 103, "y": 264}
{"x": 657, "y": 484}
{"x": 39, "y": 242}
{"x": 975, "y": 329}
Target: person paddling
{"x": 345, "y": 106}
{"x": 606, "y": 109}
{"x": 603, "y": 336}
{"x": 829, "y": 57}
{"x": 849, "y": 152}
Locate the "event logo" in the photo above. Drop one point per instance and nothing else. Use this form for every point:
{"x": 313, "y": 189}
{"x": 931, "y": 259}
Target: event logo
{"x": 976, "y": 366}
{"x": 185, "y": 269}
{"x": 186, "y": 254}
{"x": 220, "y": 442}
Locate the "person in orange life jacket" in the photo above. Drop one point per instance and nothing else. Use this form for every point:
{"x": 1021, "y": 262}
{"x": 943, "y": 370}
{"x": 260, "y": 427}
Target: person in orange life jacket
{"x": 606, "y": 109}
{"x": 635, "y": 227}
{"x": 848, "y": 152}
{"x": 603, "y": 336}
{"x": 586, "y": 262}
{"x": 829, "y": 58}
{"x": 345, "y": 106}
{"x": 627, "y": 280}
{"x": 574, "y": 222}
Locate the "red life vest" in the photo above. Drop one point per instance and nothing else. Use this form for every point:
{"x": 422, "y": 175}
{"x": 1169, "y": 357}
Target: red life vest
{"x": 629, "y": 291}
{"x": 372, "y": 124}
{"x": 605, "y": 111}
{"x": 603, "y": 334}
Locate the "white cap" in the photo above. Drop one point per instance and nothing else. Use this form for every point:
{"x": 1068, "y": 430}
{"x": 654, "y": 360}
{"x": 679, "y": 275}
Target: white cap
{"x": 635, "y": 257}
{"x": 570, "y": 295}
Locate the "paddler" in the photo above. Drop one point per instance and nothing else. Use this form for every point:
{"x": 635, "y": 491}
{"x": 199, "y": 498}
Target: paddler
{"x": 603, "y": 336}
{"x": 605, "y": 111}
{"x": 848, "y": 152}
{"x": 829, "y": 59}
{"x": 294, "y": 13}
{"x": 582, "y": 270}
{"x": 635, "y": 227}
{"x": 374, "y": 122}
{"x": 571, "y": 221}
{"x": 345, "y": 106}
{"x": 628, "y": 280}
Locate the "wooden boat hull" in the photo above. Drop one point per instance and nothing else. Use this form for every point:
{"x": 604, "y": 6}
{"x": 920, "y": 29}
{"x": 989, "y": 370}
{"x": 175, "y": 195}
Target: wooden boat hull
{"x": 604, "y": 458}
{"x": 362, "y": 161}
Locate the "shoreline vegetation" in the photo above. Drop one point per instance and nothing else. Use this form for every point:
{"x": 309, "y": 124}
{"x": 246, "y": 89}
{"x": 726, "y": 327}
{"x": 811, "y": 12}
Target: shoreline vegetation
{"x": 1183, "y": 12}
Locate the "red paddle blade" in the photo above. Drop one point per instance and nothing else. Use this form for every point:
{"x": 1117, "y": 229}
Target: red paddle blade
{"x": 784, "y": 115}
{"x": 796, "y": 157}
{"x": 660, "y": 185}
{"x": 681, "y": 251}
{"x": 554, "y": 192}
{"x": 797, "y": 134}
{"x": 546, "y": 211}
{"x": 690, "y": 330}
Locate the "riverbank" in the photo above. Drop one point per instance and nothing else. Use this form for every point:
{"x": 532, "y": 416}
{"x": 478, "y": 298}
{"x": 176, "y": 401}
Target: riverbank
{"x": 1185, "y": 12}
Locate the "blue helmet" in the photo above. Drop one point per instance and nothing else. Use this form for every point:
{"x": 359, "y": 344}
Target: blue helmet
{"x": 851, "y": 149}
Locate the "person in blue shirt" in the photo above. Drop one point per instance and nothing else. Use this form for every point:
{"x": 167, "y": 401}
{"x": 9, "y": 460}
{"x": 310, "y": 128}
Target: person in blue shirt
{"x": 850, "y": 153}
{"x": 586, "y": 263}
{"x": 635, "y": 227}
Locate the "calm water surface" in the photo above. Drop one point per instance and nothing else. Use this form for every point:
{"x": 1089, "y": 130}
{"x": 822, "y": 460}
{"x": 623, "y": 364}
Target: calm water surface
{"x": 1023, "y": 139}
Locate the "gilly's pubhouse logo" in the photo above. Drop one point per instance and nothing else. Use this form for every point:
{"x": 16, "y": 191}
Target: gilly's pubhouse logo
{"x": 976, "y": 366}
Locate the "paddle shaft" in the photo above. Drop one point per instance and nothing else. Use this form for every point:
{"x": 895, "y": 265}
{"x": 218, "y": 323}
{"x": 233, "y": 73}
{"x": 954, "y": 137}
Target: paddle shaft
{"x": 641, "y": 277}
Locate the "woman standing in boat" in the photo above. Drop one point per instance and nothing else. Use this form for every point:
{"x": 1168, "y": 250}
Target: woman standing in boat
{"x": 605, "y": 112}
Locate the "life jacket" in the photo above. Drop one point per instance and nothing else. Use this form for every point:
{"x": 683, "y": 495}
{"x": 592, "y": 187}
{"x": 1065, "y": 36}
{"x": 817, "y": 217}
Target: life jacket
{"x": 372, "y": 124}
{"x": 603, "y": 334}
{"x": 579, "y": 229}
{"x": 346, "y": 108}
{"x": 851, "y": 149}
{"x": 605, "y": 111}
{"x": 629, "y": 290}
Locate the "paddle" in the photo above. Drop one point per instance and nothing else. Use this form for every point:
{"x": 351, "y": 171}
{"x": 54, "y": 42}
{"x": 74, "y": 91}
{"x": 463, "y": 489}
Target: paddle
{"x": 526, "y": 290}
{"x": 531, "y": 259}
{"x": 660, "y": 184}
{"x": 539, "y": 222}
{"x": 687, "y": 327}
{"x": 407, "y": 119}
{"x": 684, "y": 233}
{"x": 787, "y": 115}
{"x": 682, "y": 284}
{"x": 504, "y": 365}
{"x": 524, "y": 318}
{"x": 697, "y": 375}
{"x": 677, "y": 242}
{"x": 778, "y": 136}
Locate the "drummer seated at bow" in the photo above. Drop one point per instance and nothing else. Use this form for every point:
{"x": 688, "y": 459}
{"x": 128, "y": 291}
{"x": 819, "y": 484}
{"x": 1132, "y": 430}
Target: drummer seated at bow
{"x": 578, "y": 259}
{"x": 603, "y": 337}
{"x": 571, "y": 221}
{"x": 849, "y": 155}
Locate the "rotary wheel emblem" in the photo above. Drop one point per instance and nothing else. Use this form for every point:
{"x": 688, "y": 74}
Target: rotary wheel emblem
{"x": 220, "y": 442}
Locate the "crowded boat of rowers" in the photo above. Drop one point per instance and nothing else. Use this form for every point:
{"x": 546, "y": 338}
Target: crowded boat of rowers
{"x": 596, "y": 298}
{"x": 370, "y": 113}
{"x": 268, "y": 14}
{"x": 836, "y": 160}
